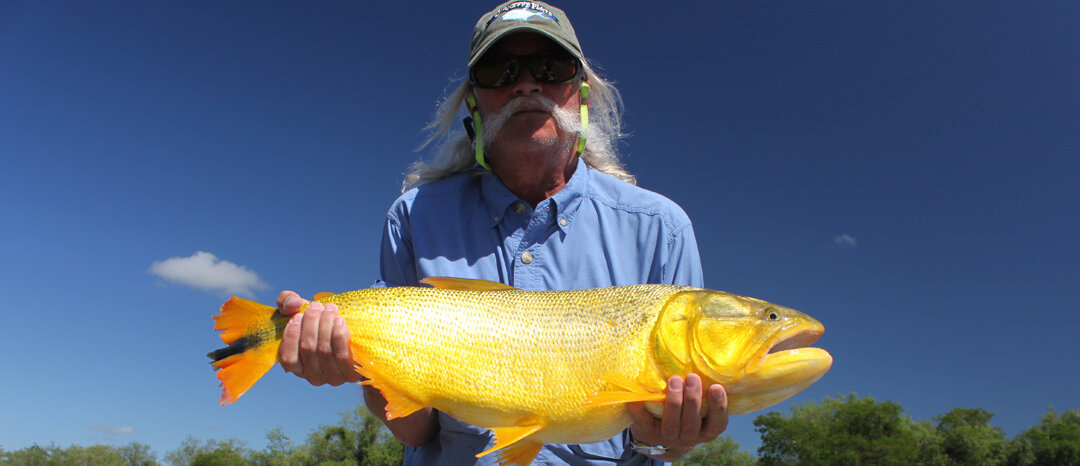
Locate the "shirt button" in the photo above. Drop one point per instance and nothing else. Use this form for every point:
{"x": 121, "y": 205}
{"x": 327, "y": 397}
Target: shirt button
{"x": 562, "y": 221}
{"x": 496, "y": 218}
{"x": 526, "y": 257}
{"x": 519, "y": 208}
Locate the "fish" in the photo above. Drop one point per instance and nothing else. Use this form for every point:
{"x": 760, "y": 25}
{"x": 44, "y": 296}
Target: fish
{"x": 540, "y": 367}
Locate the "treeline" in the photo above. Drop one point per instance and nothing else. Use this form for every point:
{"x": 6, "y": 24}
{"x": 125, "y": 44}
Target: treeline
{"x": 852, "y": 430}
{"x": 841, "y": 430}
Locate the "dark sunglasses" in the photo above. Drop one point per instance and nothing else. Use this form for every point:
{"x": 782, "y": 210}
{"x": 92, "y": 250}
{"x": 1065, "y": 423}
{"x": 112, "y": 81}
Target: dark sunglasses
{"x": 501, "y": 70}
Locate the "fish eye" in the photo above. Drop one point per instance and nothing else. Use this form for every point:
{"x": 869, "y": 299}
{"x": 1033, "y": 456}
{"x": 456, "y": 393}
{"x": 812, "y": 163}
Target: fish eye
{"x": 773, "y": 315}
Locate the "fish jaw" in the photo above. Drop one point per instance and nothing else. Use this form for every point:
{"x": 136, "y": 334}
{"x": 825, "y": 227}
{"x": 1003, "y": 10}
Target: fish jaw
{"x": 782, "y": 375}
{"x": 787, "y": 367}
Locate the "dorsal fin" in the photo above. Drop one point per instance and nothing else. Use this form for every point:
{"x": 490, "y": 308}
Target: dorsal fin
{"x": 322, "y": 294}
{"x": 465, "y": 284}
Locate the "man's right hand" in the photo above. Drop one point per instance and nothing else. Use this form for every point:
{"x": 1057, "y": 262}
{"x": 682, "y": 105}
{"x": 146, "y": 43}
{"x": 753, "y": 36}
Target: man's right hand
{"x": 315, "y": 345}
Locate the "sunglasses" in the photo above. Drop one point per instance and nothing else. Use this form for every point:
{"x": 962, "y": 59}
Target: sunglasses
{"x": 501, "y": 70}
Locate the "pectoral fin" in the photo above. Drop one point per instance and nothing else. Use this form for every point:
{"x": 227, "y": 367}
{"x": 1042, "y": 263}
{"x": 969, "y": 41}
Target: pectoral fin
{"x": 398, "y": 404}
{"x": 465, "y": 284}
{"x": 321, "y": 295}
{"x": 626, "y": 391}
{"x": 516, "y": 452}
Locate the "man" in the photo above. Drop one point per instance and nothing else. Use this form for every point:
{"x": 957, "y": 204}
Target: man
{"x": 536, "y": 198}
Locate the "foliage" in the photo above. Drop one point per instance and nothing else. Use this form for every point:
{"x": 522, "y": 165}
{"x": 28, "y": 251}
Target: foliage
{"x": 136, "y": 454}
{"x": 720, "y": 452}
{"x": 967, "y": 437}
{"x": 219, "y": 457}
{"x": 360, "y": 439}
{"x": 1054, "y": 441}
{"x": 210, "y": 452}
{"x": 846, "y": 430}
{"x": 838, "y": 430}
{"x": 279, "y": 450}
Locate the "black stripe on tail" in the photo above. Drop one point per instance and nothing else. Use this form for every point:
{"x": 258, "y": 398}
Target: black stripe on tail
{"x": 239, "y": 346}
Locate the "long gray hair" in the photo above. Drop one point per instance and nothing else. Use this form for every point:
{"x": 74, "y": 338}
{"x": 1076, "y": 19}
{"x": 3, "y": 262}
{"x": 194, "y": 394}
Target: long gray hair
{"x": 455, "y": 153}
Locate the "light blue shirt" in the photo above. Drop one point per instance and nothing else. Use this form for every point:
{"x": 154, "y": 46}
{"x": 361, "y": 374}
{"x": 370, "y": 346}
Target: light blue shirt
{"x": 597, "y": 231}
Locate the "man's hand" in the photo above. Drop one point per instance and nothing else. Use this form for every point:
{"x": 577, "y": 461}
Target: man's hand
{"x": 682, "y": 427}
{"x": 315, "y": 345}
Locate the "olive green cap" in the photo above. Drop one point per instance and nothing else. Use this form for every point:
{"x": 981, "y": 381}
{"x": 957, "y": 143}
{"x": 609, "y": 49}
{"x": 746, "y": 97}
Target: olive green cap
{"x": 517, "y": 16}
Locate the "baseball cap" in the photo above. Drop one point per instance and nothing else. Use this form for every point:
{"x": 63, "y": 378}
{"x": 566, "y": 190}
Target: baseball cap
{"x": 518, "y": 16}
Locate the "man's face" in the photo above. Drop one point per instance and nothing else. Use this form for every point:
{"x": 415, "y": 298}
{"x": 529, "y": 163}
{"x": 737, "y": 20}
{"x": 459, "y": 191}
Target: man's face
{"x": 528, "y": 126}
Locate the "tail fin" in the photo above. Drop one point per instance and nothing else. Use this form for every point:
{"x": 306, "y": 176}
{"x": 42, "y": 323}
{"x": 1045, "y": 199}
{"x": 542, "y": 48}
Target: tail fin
{"x": 253, "y": 332}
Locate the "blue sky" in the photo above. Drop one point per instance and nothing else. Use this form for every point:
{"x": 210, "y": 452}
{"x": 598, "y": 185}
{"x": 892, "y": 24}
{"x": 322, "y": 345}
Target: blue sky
{"x": 906, "y": 172}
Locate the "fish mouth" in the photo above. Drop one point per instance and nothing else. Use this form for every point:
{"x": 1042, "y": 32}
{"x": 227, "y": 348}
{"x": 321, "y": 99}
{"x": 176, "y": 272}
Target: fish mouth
{"x": 799, "y": 339}
{"x": 790, "y": 366}
{"x": 781, "y": 376}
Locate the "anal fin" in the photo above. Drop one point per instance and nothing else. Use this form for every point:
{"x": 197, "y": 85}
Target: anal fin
{"x": 520, "y": 454}
{"x": 627, "y": 391}
{"x": 398, "y": 404}
{"x": 509, "y": 437}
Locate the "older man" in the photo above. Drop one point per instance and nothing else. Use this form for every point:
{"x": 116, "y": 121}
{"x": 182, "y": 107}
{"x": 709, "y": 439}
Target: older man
{"x": 535, "y": 197}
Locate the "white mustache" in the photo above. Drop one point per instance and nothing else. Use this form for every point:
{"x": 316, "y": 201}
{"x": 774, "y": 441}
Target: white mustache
{"x": 566, "y": 120}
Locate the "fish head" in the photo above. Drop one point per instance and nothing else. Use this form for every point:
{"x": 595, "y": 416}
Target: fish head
{"x": 757, "y": 350}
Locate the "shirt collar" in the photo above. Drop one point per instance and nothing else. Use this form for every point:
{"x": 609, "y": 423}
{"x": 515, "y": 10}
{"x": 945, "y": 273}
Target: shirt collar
{"x": 497, "y": 198}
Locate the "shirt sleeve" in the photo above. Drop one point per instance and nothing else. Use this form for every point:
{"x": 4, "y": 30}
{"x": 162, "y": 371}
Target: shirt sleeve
{"x": 683, "y": 266}
{"x": 397, "y": 264}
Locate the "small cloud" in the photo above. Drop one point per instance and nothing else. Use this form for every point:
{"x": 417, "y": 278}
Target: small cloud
{"x": 113, "y": 430}
{"x": 206, "y": 272}
{"x": 846, "y": 240}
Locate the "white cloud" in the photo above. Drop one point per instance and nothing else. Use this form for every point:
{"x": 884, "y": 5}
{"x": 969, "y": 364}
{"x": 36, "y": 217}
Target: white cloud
{"x": 846, "y": 240}
{"x": 114, "y": 430}
{"x": 206, "y": 272}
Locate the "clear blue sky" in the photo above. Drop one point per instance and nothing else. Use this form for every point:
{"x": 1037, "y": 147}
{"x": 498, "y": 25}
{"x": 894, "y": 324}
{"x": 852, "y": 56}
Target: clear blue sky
{"x": 906, "y": 172}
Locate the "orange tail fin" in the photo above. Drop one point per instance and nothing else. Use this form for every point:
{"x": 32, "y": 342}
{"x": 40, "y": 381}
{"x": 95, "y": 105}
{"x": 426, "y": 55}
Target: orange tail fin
{"x": 253, "y": 332}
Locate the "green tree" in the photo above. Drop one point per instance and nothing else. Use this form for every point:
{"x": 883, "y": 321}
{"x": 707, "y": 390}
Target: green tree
{"x": 1054, "y": 441}
{"x": 138, "y": 454}
{"x": 89, "y": 456}
{"x": 33, "y": 455}
{"x": 720, "y": 452}
{"x": 360, "y": 438}
{"x": 846, "y": 430}
{"x": 222, "y": 456}
{"x": 74, "y": 455}
{"x": 279, "y": 451}
{"x": 210, "y": 452}
{"x": 968, "y": 438}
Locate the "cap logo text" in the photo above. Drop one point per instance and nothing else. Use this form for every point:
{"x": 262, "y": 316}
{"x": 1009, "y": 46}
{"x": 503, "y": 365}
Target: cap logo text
{"x": 522, "y": 11}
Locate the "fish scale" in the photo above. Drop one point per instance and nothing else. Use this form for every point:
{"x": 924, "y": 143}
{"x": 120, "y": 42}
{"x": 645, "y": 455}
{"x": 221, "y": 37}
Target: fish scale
{"x": 536, "y": 350}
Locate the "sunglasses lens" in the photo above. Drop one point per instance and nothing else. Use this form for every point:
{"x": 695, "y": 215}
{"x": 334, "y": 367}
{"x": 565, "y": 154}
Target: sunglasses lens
{"x": 504, "y": 70}
{"x": 553, "y": 68}
{"x": 496, "y": 71}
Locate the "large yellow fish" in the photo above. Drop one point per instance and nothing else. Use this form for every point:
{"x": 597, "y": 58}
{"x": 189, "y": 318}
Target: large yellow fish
{"x": 541, "y": 367}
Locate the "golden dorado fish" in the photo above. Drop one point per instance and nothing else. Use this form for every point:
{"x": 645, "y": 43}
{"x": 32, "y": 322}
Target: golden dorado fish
{"x": 541, "y": 367}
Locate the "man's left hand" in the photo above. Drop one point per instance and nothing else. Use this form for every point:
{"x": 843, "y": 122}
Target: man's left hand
{"x": 682, "y": 427}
